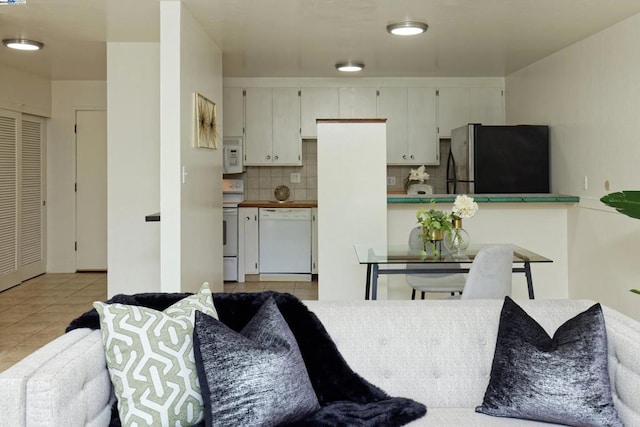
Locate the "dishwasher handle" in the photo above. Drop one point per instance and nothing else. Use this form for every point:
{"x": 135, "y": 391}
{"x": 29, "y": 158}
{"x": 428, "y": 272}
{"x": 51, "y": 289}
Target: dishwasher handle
{"x": 224, "y": 232}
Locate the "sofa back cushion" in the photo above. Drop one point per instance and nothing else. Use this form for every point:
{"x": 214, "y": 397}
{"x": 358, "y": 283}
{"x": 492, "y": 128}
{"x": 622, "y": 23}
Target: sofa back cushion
{"x": 438, "y": 353}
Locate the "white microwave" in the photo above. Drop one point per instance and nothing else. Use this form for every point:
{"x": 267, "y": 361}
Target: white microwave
{"x": 232, "y": 155}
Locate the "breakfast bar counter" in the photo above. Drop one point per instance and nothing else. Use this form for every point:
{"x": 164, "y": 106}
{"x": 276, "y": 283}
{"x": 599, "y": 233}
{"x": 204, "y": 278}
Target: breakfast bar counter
{"x": 393, "y": 197}
{"x": 538, "y": 222}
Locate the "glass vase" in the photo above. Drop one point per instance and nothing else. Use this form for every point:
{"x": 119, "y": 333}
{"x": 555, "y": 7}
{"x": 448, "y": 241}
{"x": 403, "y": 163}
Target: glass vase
{"x": 457, "y": 239}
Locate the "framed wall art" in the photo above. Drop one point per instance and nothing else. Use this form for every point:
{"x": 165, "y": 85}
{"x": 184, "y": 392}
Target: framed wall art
{"x": 206, "y": 130}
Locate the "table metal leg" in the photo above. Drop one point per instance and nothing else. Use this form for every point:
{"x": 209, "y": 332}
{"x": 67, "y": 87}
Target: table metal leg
{"x": 374, "y": 282}
{"x": 367, "y": 285}
{"x": 527, "y": 272}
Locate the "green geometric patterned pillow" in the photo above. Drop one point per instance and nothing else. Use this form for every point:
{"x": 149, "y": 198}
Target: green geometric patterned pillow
{"x": 151, "y": 362}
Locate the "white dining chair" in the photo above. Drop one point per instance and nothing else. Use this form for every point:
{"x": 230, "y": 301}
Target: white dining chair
{"x": 490, "y": 274}
{"x": 450, "y": 283}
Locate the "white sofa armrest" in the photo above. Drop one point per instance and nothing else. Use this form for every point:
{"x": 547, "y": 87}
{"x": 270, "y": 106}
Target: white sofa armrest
{"x": 65, "y": 382}
{"x": 623, "y": 337}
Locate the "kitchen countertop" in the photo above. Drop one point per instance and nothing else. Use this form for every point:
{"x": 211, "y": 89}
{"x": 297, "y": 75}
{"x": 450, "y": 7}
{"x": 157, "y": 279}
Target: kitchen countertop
{"x": 398, "y": 198}
{"x": 393, "y": 198}
{"x": 276, "y": 204}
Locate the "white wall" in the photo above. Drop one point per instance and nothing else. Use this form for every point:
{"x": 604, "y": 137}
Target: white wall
{"x": 133, "y": 152}
{"x": 191, "y": 226}
{"x": 66, "y": 97}
{"x": 589, "y": 93}
{"x": 352, "y": 203}
{"x": 538, "y": 227}
{"x": 24, "y": 92}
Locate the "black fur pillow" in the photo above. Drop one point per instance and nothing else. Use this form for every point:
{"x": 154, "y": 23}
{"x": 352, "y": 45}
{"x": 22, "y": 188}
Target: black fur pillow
{"x": 562, "y": 380}
{"x": 256, "y": 377}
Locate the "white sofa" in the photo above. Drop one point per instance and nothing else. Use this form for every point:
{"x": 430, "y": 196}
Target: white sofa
{"x": 435, "y": 352}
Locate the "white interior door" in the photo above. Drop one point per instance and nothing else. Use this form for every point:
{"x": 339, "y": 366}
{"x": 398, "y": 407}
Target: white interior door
{"x": 91, "y": 190}
{"x": 32, "y": 224}
{"x": 9, "y": 199}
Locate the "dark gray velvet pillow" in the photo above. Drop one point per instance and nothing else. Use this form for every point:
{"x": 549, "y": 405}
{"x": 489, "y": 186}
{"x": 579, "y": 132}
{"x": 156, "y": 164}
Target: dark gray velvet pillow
{"x": 257, "y": 377}
{"x": 561, "y": 380}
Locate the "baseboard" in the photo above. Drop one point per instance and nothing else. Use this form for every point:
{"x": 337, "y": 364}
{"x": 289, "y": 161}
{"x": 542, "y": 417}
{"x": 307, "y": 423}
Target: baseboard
{"x": 275, "y": 277}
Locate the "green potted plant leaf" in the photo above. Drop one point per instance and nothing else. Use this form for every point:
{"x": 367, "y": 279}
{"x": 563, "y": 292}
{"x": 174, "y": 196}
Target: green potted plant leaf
{"x": 625, "y": 202}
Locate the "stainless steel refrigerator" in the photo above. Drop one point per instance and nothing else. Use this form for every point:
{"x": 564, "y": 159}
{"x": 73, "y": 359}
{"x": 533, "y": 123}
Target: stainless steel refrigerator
{"x": 498, "y": 159}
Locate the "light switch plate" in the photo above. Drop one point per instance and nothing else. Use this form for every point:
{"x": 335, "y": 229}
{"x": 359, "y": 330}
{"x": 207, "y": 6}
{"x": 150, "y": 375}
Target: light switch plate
{"x": 295, "y": 177}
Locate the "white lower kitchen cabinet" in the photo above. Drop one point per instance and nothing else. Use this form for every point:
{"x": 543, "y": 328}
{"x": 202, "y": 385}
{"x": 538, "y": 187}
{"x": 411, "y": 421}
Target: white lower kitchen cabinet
{"x": 314, "y": 241}
{"x": 250, "y": 240}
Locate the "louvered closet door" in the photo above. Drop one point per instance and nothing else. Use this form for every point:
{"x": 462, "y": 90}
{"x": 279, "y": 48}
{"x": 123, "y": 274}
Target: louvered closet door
{"x": 32, "y": 209}
{"x": 9, "y": 249}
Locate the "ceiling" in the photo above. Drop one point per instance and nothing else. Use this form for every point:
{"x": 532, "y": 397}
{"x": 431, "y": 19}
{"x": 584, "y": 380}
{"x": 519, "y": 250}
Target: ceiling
{"x": 305, "y": 38}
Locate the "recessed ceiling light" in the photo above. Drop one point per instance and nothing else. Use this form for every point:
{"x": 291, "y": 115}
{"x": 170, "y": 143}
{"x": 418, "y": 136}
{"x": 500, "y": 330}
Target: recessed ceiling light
{"x": 407, "y": 28}
{"x": 349, "y": 67}
{"x": 22, "y": 44}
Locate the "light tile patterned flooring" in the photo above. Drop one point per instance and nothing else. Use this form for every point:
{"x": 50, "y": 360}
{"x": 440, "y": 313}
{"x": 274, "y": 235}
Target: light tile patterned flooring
{"x": 38, "y": 310}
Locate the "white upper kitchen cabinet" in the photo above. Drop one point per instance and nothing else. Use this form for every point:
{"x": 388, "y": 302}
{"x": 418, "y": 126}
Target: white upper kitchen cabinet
{"x": 317, "y": 103}
{"x": 486, "y": 105}
{"x": 411, "y": 125}
{"x": 233, "y": 117}
{"x": 272, "y": 127}
{"x": 287, "y": 144}
{"x": 259, "y": 126}
{"x": 358, "y": 102}
{"x": 453, "y": 109}
{"x": 458, "y": 106}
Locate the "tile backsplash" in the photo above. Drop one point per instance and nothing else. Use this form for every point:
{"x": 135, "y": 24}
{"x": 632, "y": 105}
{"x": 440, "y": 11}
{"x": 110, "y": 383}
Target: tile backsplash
{"x": 261, "y": 181}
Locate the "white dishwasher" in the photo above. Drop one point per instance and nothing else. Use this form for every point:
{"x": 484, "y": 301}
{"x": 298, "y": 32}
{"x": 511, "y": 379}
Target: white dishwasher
{"x": 285, "y": 240}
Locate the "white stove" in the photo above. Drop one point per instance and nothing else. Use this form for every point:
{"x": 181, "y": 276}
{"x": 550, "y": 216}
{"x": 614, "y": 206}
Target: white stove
{"x": 232, "y": 195}
{"x": 232, "y": 192}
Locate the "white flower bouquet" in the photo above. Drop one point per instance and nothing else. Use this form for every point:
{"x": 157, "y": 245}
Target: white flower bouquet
{"x": 464, "y": 207}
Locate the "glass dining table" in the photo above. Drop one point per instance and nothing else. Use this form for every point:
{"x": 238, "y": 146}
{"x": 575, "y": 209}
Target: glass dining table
{"x": 404, "y": 260}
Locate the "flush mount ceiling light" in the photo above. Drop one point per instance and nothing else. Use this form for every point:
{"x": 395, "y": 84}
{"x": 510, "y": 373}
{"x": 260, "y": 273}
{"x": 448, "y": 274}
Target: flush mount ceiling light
{"x": 349, "y": 67}
{"x": 407, "y": 28}
{"x": 22, "y": 44}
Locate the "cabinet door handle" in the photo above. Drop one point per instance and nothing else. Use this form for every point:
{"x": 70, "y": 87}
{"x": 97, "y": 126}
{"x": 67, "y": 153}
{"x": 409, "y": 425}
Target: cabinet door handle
{"x": 268, "y": 157}
{"x": 247, "y": 218}
{"x": 275, "y": 157}
{"x": 404, "y": 157}
{"x": 412, "y": 157}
